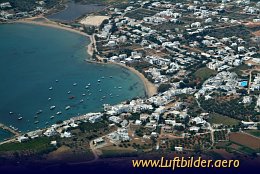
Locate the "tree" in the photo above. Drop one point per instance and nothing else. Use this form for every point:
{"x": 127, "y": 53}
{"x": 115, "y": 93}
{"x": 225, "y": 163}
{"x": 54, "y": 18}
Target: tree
{"x": 164, "y": 87}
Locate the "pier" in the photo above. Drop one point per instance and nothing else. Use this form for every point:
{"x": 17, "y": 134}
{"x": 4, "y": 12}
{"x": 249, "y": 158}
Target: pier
{"x": 2, "y": 126}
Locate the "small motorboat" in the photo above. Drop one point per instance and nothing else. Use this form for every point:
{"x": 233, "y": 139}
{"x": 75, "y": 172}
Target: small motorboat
{"x": 11, "y": 113}
{"x": 72, "y": 97}
{"x": 69, "y": 92}
{"x": 83, "y": 94}
{"x": 36, "y": 122}
{"x": 56, "y": 80}
{"x": 39, "y": 112}
{"x": 67, "y": 107}
{"x": 20, "y": 118}
{"x": 58, "y": 113}
{"x": 52, "y": 117}
{"x": 51, "y": 88}
{"x": 81, "y": 101}
{"x": 74, "y": 84}
{"x": 52, "y": 107}
{"x": 49, "y": 99}
{"x": 99, "y": 80}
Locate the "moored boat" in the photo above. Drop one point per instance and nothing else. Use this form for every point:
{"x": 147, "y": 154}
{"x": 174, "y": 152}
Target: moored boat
{"x": 52, "y": 107}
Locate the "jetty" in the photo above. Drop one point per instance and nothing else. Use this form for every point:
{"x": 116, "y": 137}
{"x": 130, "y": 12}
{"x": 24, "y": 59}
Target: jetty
{"x": 2, "y": 126}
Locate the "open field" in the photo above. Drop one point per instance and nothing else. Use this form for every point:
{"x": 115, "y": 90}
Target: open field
{"x": 114, "y": 151}
{"x": 245, "y": 140}
{"x": 253, "y": 132}
{"x": 220, "y": 119}
{"x": 38, "y": 144}
{"x": 204, "y": 73}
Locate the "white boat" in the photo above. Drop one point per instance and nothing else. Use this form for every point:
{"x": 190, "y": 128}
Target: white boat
{"x": 102, "y": 77}
{"x": 99, "y": 80}
{"x": 52, "y": 107}
{"x": 58, "y": 113}
{"x": 119, "y": 87}
{"x": 83, "y": 94}
{"x": 67, "y": 107}
{"x": 100, "y": 90}
{"x": 20, "y": 118}
{"x": 74, "y": 84}
{"x": 81, "y": 101}
{"x": 87, "y": 87}
{"x": 39, "y": 112}
{"x": 52, "y": 117}
{"x": 111, "y": 77}
{"x": 69, "y": 92}
{"x": 49, "y": 99}
{"x": 11, "y": 113}
{"x": 36, "y": 122}
{"x": 51, "y": 88}
{"x": 56, "y": 80}
{"x": 89, "y": 84}
{"x": 46, "y": 123}
{"x": 36, "y": 116}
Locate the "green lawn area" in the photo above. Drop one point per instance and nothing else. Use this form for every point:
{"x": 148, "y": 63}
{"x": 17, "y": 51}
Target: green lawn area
{"x": 220, "y": 119}
{"x": 38, "y": 144}
{"x": 254, "y": 132}
{"x": 204, "y": 73}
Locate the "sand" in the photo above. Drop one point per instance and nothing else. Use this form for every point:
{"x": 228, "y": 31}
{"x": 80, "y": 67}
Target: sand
{"x": 93, "y": 20}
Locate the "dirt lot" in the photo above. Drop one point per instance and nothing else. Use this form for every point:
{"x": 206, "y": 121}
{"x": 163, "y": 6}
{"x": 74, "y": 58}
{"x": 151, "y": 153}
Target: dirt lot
{"x": 245, "y": 140}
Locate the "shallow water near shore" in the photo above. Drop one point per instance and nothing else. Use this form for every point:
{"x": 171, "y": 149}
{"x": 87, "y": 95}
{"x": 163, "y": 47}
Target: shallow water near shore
{"x": 42, "y": 67}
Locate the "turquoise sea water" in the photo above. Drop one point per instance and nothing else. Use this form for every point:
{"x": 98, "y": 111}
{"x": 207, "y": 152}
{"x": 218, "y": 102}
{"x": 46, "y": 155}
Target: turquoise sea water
{"x": 33, "y": 57}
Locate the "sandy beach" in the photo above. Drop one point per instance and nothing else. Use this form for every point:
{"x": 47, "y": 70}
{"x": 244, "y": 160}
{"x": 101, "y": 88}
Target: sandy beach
{"x": 150, "y": 88}
{"x": 93, "y": 20}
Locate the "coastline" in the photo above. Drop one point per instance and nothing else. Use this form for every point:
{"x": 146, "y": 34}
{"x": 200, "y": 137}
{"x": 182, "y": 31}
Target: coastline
{"x": 150, "y": 88}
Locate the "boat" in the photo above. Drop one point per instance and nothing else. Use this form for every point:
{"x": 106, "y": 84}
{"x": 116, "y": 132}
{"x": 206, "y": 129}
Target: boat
{"x": 81, "y": 101}
{"x": 71, "y": 97}
{"x": 111, "y": 76}
{"x": 67, "y": 107}
{"x": 51, "y": 88}
{"x": 119, "y": 87}
{"x": 83, "y": 94}
{"x": 46, "y": 123}
{"x": 58, "y": 113}
{"x": 11, "y": 113}
{"x": 89, "y": 84}
{"x": 49, "y": 99}
{"x": 99, "y": 80}
{"x": 36, "y": 116}
{"x": 36, "y": 122}
{"x": 52, "y": 117}
{"x": 20, "y": 118}
{"x": 52, "y": 107}
{"x": 102, "y": 77}
{"x": 56, "y": 80}
{"x": 69, "y": 92}
{"x": 74, "y": 84}
{"x": 100, "y": 90}
{"x": 39, "y": 112}
{"x": 87, "y": 87}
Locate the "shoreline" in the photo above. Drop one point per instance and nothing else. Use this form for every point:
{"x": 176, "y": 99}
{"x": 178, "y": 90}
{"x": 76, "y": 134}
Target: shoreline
{"x": 150, "y": 88}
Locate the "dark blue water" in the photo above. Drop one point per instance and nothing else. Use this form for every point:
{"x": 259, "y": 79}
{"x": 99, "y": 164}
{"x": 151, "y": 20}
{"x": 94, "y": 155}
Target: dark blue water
{"x": 74, "y": 11}
{"x": 4, "y": 134}
{"x": 32, "y": 59}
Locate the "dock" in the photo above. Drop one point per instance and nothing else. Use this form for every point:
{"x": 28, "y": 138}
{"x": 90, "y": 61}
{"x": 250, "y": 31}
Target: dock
{"x": 2, "y": 126}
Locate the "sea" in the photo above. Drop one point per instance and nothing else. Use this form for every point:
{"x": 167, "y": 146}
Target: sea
{"x": 42, "y": 67}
